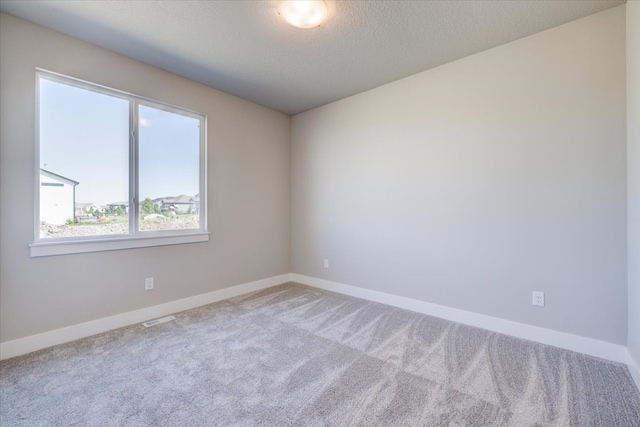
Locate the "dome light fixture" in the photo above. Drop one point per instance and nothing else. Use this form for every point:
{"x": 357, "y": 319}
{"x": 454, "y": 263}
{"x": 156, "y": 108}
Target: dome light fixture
{"x": 303, "y": 13}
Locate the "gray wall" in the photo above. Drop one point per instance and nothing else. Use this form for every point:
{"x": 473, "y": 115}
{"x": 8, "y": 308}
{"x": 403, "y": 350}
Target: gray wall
{"x": 248, "y": 194}
{"x": 472, "y": 184}
{"x": 633, "y": 173}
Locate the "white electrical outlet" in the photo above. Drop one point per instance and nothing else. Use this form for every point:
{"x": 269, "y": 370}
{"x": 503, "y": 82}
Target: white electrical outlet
{"x": 538, "y": 298}
{"x": 326, "y": 263}
{"x": 148, "y": 284}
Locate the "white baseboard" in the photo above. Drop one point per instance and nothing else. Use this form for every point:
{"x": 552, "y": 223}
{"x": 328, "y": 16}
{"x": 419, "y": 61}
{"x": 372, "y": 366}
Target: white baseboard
{"x": 59, "y": 336}
{"x": 634, "y": 368}
{"x": 590, "y": 346}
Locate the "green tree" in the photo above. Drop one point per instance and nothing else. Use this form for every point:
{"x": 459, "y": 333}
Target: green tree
{"x": 147, "y": 206}
{"x": 119, "y": 211}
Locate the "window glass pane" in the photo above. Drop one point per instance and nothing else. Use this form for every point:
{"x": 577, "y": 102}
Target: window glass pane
{"x": 84, "y": 162}
{"x": 168, "y": 170}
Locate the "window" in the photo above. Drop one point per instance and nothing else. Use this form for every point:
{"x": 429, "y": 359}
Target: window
{"x": 115, "y": 170}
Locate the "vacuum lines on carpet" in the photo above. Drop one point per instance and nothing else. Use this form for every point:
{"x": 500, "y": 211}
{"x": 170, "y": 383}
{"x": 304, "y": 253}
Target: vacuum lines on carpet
{"x": 292, "y": 355}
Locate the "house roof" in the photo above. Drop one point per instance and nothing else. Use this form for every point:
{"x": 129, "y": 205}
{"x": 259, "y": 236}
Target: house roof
{"x": 58, "y": 177}
{"x": 182, "y": 199}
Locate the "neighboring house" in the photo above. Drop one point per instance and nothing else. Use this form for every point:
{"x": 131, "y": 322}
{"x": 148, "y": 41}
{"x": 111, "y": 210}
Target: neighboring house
{"x": 179, "y": 204}
{"x": 85, "y": 208}
{"x": 158, "y": 202}
{"x": 57, "y": 198}
{"x": 113, "y": 207}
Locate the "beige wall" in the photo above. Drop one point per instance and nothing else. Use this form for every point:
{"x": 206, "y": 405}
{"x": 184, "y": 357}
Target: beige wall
{"x": 248, "y": 166}
{"x": 633, "y": 173}
{"x": 475, "y": 183}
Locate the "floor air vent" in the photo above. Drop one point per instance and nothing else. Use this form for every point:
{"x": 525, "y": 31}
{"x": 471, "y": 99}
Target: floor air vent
{"x": 158, "y": 321}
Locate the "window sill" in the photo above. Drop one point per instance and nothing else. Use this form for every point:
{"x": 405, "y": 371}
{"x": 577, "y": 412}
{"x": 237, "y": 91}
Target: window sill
{"x": 41, "y": 249}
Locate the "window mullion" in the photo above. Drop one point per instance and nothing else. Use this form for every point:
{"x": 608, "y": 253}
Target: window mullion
{"x": 133, "y": 167}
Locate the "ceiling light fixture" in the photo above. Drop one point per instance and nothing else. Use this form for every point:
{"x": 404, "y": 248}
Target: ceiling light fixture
{"x": 303, "y": 13}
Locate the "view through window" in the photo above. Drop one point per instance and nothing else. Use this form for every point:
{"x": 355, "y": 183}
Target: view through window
{"x": 114, "y": 165}
{"x": 168, "y": 149}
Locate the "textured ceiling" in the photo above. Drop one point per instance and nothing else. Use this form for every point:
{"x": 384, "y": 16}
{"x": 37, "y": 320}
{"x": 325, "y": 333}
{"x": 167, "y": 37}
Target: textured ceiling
{"x": 246, "y": 49}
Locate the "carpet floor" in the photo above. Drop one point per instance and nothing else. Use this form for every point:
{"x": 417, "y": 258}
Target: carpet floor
{"x": 295, "y": 355}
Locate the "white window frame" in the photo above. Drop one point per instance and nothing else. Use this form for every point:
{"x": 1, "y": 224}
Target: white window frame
{"x": 135, "y": 238}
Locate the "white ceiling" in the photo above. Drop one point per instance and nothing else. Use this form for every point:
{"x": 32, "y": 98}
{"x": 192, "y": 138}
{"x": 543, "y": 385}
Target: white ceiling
{"x": 246, "y": 49}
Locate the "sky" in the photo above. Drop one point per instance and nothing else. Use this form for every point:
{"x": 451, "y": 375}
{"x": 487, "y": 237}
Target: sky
{"x": 84, "y": 136}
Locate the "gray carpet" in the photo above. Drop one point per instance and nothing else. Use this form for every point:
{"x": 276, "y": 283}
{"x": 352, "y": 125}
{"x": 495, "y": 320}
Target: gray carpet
{"x": 294, "y": 355}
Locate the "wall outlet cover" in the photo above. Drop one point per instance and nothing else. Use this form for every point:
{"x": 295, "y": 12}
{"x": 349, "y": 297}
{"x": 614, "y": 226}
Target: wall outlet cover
{"x": 538, "y": 298}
